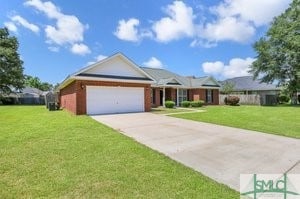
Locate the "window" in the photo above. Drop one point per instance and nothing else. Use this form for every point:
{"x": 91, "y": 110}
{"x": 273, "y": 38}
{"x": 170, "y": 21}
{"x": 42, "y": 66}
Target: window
{"x": 209, "y": 96}
{"x": 182, "y": 95}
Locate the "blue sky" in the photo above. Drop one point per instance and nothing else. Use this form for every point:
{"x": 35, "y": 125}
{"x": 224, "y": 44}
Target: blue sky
{"x": 191, "y": 37}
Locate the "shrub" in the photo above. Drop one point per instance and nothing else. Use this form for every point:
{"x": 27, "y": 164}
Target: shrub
{"x": 283, "y": 99}
{"x": 185, "y": 104}
{"x": 198, "y": 103}
{"x": 8, "y": 100}
{"x": 169, "y": 104}
{"x": 232, "y": 100}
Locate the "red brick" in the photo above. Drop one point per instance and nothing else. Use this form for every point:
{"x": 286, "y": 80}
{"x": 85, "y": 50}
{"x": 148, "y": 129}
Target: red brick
{"x": 73, "y": 96}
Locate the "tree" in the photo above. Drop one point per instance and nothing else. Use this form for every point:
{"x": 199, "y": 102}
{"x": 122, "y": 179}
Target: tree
{"x": 278, "y": 52}
{"x": 11, "y": 70}
{"x": 35, "y": 82}
{"x": 227, "y": 88}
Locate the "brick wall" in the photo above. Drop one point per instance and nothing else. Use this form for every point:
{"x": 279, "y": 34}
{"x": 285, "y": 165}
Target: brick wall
{"x": 74, "y": 95}
{"x": 156, "y": 102}
{"x": 200, "y": 94}
{"x": 68, "y": 97}
{"x": 216, "y": 96}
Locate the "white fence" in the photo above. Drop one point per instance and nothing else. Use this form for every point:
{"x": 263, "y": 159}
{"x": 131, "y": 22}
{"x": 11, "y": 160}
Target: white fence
{"x": 244, "y": 99}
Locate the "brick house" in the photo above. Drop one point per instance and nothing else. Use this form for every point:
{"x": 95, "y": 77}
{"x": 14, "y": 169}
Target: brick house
{"x": 117, "y": 85}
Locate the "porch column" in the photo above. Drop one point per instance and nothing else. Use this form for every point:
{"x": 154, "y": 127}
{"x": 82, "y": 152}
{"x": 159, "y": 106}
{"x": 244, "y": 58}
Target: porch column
{"x": 177, "y": 98}
{"x": 164, "y": 96}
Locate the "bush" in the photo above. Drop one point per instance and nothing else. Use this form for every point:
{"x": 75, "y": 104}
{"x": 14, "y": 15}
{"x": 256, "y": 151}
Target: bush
{"x": 169, "y": 104}
{"x": 283, "y": 99}
{"x": 8, "y": 100}
{"x": 198, "y": 103}
{"x": 185, "y": 104}
{"x": 232, "y": 100}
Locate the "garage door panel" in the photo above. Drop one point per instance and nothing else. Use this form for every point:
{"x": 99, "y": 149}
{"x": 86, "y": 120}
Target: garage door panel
{"x": 105, "y": 100}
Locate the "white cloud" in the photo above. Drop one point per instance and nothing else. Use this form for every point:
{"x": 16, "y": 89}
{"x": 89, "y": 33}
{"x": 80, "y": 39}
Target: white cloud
{"x": 213, "y": 67}
{"x": 98, "y": 58}
{"x": 11, "y": 26}
{"x": 101, "y": 57}
{"x": 230, "y": 20}
{"x": 53, "y": 48}
{"x": 236, "y": 67}
{"x": 228, "y": 28}
{"x": 80, "y": 49}
{"x": 67, "y": 30}
{"x": 23, "y": 22}
{"x": 52, "y": 11}
{"x": 153, "y": 62}
{"x": 178, "y": 24}
{"x": 127, "y": 30}
{"x": 237, "y": 20}
{"x": 257, "y": 11}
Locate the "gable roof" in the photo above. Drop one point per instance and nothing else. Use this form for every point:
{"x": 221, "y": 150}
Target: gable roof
{"x": 163, "y": 77}
{"x": 247, "y": 83}
{"x": 120, "y": 68}
{"x": 31, "y": 90}
{"x": 127, "y": 71}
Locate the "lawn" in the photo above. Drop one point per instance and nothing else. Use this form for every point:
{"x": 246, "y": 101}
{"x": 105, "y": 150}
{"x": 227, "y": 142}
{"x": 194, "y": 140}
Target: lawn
{"x": 47, "y": 154}
{"x": 279, "y": 120}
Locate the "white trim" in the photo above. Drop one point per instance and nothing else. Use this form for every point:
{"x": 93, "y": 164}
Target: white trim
{"x": 112, "y": 80}
{"x": 122, "y": 56}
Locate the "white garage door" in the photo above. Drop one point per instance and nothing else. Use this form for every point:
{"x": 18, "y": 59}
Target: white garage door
{"x": 104, "y": 100}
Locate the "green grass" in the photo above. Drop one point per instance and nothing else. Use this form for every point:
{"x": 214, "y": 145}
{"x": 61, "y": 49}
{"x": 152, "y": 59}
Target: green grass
{"x": 279, "y": 120}
{"x": 47, "y": 154}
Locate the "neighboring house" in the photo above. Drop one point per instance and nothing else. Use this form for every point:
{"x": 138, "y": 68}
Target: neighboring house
{"x": 31, "y": 95}
{"x": 246, "y": 85}
{"x": 117, "y": 85}
{"x": 28, "y": 96}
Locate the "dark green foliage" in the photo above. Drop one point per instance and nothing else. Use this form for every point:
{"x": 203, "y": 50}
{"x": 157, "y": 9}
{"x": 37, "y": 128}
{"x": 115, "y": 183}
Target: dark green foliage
{"x": 283, "y": 99}
{"x": 232, "y": 100}
{"x": 278, "y": 52}
{"x": 169, "y": 104}
{"x": 198, "y": 103}
{"x": 11, "y": 70}
{"x": 185, "y": 104}
{"x": 35, "y": 82}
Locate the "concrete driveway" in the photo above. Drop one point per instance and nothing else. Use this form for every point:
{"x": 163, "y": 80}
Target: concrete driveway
{"x": 219, "y": 152}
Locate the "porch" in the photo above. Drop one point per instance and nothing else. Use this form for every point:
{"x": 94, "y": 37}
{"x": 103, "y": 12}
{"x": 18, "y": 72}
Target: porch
{"x": 178, "y": 94}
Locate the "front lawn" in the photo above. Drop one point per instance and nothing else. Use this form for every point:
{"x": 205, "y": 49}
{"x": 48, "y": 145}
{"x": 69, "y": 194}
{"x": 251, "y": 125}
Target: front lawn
{"x": 57, "y": 155}
{"x": 279, "y": 120}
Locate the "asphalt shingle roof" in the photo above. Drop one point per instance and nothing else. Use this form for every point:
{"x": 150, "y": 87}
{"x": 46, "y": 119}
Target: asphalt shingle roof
{"x": 247, "y": 83}
{"x": 162, "y": 76}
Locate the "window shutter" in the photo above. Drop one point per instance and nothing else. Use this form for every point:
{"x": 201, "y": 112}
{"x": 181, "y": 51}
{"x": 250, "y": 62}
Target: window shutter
{"x": 212, "y": 96}
{"x": 206, "y": 99}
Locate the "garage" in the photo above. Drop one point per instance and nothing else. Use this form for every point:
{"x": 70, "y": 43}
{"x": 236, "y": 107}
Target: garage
{"x": 112, "y": 85}
{"x": 107, "y": 99}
